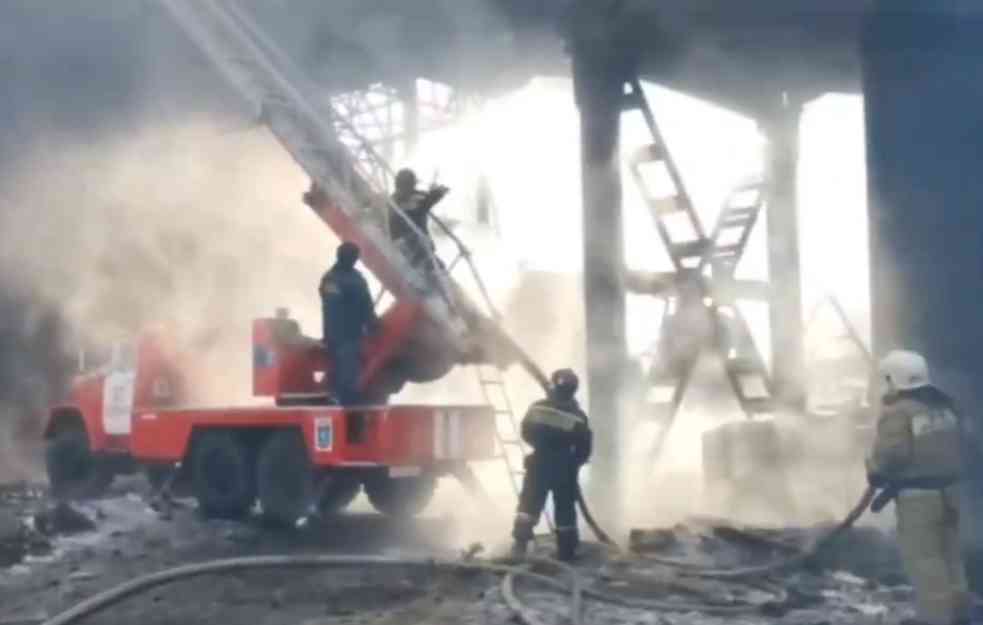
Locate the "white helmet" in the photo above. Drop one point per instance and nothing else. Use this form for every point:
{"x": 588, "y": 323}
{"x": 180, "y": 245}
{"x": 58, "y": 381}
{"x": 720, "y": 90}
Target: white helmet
{"x": 903, "y": 370}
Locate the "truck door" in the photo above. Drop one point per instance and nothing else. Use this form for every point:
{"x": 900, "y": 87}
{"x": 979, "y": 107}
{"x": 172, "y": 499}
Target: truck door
{"x": 119, "y": 389}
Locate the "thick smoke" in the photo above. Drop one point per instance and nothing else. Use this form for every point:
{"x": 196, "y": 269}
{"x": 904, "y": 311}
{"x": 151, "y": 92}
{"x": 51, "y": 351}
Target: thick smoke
{"x": 133, "y": 191}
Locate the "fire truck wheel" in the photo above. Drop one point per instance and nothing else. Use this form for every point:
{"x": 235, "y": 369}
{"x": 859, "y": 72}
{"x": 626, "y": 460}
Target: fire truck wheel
{"x": 222, "y": 475}
{"x": 285, "y": 478}
{"x": 400, "y": 497}
{"x": 336, "y": 492}
{"x": 74, "y": 473}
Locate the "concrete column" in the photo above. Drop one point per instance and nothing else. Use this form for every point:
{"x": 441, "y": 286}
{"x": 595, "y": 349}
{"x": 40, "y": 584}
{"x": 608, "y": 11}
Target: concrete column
{"x": 598, "y": 84}
{"x": 922, "y": 62}
{"x": 782, "y": 132}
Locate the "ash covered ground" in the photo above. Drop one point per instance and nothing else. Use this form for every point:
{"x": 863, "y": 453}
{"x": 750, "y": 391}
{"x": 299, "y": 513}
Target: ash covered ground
{"x": 55, "y": 556}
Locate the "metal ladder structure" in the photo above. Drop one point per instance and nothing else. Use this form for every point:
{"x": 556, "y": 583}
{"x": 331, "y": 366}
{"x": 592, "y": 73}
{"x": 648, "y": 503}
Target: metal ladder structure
{"x": 705, "y": 264}
{"x": 284, "y": 101}
{"x": 849, "y": 335}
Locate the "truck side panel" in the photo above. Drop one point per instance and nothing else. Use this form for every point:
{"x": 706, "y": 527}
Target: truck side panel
{"x": 165, "y": 435}
{"x": 385, "y": 436}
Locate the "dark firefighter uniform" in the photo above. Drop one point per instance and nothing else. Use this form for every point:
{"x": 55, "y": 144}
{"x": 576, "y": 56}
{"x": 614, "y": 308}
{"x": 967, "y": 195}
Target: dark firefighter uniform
{"x": 416, "y": 205}
{"x": 918, "y": 457}
{"x": 560, "y": 435}
{"x": 348, "y": 315}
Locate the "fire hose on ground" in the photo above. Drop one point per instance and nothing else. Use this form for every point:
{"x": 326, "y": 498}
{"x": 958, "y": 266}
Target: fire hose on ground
{"x": 511, "y": 573}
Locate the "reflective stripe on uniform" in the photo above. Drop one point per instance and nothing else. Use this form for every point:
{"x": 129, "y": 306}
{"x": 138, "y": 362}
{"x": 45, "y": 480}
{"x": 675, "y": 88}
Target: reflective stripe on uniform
{"x": 330, "y": 287}
{"x": 554, "y": 418}
{"x": 933, "y": 422}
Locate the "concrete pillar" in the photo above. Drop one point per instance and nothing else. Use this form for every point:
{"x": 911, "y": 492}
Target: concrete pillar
{"x": 782, "y": 131}
{"x": 599, "y": 84}
{"x": 924, "y": 110}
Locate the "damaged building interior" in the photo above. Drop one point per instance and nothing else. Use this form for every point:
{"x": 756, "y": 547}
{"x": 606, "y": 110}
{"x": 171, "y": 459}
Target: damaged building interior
{"x": 725, "y": 218}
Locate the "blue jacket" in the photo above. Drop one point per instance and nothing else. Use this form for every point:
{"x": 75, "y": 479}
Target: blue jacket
{"x": 346, "y": 306}
{"x": 558, "y": 430}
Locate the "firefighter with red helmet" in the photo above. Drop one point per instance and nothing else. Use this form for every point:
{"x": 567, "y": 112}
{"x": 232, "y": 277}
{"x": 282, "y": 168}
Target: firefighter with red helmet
{"x": 561, "y": 438}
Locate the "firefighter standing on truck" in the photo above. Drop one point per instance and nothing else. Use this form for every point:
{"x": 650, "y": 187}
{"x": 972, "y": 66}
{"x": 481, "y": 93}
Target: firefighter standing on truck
{"x": 917, "y": 459}
{"x": 559, "y": 433}
{"x": 416, "y": 205}
{"x": 348, "y": 314}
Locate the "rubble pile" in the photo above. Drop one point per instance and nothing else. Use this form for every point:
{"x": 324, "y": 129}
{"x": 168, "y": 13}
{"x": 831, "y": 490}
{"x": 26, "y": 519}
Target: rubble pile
{"x": 856, "y": 580}
{"x": 29, "y": 522}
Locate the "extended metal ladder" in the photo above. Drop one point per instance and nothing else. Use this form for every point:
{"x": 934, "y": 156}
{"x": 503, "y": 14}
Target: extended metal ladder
{"x": 266, "y": 78}
{"x": 706, "y": 263}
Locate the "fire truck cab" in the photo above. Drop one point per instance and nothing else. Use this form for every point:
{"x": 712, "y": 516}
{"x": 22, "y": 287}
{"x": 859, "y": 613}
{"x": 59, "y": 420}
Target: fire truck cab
{"x": 88, "y": 433}
{"x": 294, "y": 456}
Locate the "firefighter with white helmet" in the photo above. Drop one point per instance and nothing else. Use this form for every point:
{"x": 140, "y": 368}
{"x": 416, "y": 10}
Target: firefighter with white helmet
{"x": 917, "y": 458}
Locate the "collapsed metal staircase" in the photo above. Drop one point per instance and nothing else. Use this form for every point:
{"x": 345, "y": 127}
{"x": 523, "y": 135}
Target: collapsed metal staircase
{"x": 704, "y": 265}
{"x": 849, "y": 382}
{"x": 350, "y": 202}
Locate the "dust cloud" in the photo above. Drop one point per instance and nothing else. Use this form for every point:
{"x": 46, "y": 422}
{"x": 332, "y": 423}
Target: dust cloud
{"x": 125, "y": 200}
{"x": 175, "y": 224}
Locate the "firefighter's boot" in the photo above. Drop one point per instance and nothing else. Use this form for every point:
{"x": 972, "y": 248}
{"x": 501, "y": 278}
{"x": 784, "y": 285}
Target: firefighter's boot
{"x": 567, "y": 541}
{"x": 522, "y": 534}
{"x": 519, "y": 548}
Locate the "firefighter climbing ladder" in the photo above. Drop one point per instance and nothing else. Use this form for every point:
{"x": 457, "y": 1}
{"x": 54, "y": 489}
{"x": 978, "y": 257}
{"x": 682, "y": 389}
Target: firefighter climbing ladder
{"x": 708, "y": 262}
{"x": 265, "y": 78}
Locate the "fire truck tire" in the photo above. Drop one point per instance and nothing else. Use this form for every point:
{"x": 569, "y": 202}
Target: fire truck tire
{"x": 222, "y": 475}
{"x": 336, "y": 493}
{"x": 73, "y": 471}
{"x": 400, "y": 497}
{"x": 285, "y": 478}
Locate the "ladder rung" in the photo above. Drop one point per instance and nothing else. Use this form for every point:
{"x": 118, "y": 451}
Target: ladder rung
{"x": 738, "y": 221}
{"x": 666, "y": 205}
{"x": 744, "y": 366}
{"x": 727, "y": 250}
{"x": 744, "y": 188}
{"x": 647, "y": 154}
{"x": 758, "y": 404}
{"x": 690, "y": 249}
{"x": 739, "y": 211}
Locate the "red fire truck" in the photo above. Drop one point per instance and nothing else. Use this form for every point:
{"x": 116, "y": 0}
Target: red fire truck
{"x": 292, "y": 456}
{"x": 297, "y": 451}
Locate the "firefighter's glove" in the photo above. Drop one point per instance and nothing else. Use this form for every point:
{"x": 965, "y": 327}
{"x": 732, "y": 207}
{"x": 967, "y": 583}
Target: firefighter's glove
{"x": 882, "y": 499}
{"x": 876, "y": 480}
{"x": 438, "y": 191}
